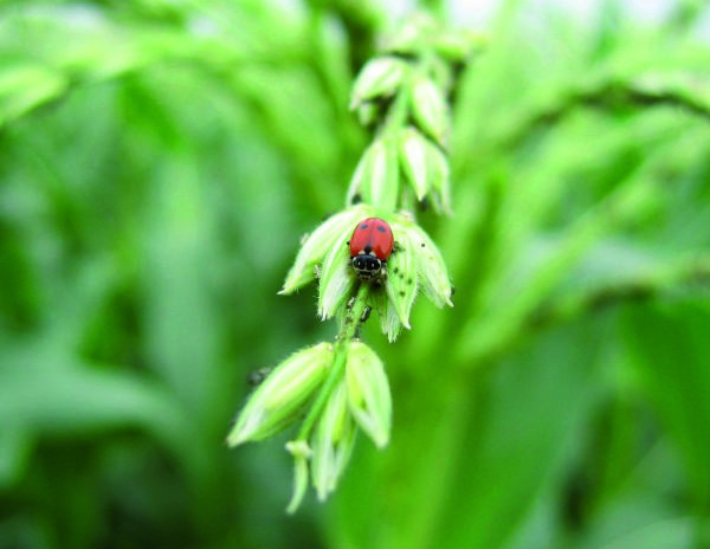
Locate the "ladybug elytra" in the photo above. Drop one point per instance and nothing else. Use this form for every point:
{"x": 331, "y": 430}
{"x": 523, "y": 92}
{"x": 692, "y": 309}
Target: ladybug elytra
{"x": 370, "y": 246}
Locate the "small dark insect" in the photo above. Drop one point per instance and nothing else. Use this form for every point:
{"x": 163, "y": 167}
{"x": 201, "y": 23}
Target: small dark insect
{"x": 257, "y": 377}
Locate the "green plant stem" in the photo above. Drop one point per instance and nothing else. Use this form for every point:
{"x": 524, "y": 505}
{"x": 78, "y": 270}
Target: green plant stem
{"x": 348, "y": 331}
{"x": 686, "y": 274}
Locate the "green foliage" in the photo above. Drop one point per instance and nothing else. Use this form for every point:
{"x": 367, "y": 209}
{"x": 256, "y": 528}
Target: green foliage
{"x": 159, "y": 163}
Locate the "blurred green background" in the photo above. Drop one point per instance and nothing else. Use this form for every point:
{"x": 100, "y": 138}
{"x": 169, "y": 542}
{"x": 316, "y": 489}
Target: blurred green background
{"x": 159, "y": 161}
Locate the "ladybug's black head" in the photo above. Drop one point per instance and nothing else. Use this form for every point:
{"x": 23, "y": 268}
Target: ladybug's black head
{"x": 367, "y": 266}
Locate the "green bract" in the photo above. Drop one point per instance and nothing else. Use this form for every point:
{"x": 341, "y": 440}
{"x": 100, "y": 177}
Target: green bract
{"x": 301, "y": 453}
{"x": 413, "y": 157}
{"x": 380, "y": 77}
{"x": 369, "y": 396}
{"x": 318, "y": 244}
{"x": 390, "y": 323}
{"x": 376, "y": 178}
{"x": 430, "y": 110}
{"x": 332, "y": 443}
{"x": 440, "y": 179}
{"x": 402, "y": 279}
{"x": 457, "y": 46}
{"x": 412, "y": 34}
{"x": 426, "y": 168}
{"x": 337, "y": 278}
{"x": 431, "y": 268}
{"x": 281, "y": 397}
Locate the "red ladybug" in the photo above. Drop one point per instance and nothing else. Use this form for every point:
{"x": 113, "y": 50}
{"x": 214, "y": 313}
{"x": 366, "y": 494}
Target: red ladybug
{"x": 370, "y": 246}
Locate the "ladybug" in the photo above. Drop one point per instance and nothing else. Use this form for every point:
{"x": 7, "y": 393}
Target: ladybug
{"x": 370, "y": 246}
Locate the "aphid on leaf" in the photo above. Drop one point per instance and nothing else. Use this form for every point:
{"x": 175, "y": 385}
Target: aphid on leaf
{"x": 257, "y": 377}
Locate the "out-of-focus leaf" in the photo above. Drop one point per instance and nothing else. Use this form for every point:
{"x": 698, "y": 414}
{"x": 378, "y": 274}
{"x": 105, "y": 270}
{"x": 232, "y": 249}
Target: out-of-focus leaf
{"x": 670, "y": 347}
{"x": 24, "y": 87}
{"x": 672, "y": 533}
{"x": 48, "y": 393}
{"x": 481, "y": 453}
{"x": 15, "y": 445}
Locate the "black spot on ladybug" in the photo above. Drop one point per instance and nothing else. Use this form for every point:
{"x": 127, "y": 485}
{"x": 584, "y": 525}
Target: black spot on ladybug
{"x": 364, "y": 226}
{"x": 381, "y": 229}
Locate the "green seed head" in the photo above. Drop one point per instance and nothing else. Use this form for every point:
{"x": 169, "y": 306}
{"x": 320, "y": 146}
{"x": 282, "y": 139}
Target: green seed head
{"x": 431, "y": 113}
{"x": 458, "y": 46}
{"x": 426, "y": 168}
{"x": 376, "y": 178}
{"x": 431, "y": 268}
{"x": 282, "y": 396}
{"x": 413, "y": 158}
{"x": 413, "y": 34}
{"x": 380, "y": 77}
